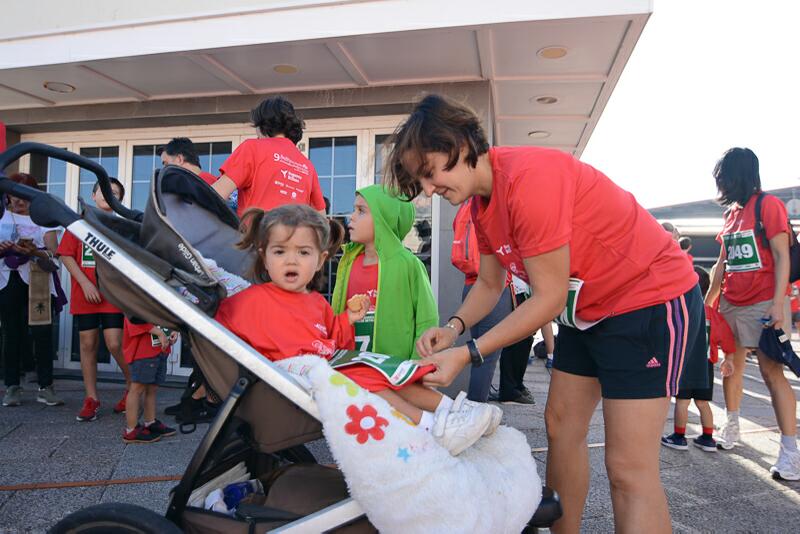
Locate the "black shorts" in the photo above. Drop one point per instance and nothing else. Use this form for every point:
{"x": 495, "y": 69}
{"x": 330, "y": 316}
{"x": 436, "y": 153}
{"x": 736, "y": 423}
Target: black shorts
{"x": 92, "y": 321}
{"x": 643, "y": 354}
{"x": 705, "y": 394}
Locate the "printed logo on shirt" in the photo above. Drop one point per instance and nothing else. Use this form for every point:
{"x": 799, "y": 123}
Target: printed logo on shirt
{"x": 321, "y": 328}
{"x": 324, "y": 349}
{"x": 87, "y": 257}
{"x": 299, "y": 167}
{"x": 741, "y": 252}
{"x": 503, "y": 250}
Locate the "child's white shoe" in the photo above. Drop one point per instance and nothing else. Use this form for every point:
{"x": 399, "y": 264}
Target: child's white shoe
{"x": 497, "y": 413}
{"x": 461, "y": 426}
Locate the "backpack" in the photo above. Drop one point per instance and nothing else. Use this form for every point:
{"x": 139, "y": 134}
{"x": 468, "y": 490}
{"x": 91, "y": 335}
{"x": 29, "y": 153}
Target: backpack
{"x": 794, "y": 246}
{"x": 464, "y": 254}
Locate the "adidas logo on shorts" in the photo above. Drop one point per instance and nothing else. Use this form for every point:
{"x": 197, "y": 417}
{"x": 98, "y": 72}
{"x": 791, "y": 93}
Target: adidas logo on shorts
{"x": 653, "y": 363}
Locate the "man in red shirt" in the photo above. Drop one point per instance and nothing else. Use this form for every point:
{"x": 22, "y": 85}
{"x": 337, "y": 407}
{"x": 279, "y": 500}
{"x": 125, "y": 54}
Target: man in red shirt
{"x": 625, "y": 295}
{"x": 182, "y": 152}
{"x": 91, "y": 312}
{"x": 270, "y": 171}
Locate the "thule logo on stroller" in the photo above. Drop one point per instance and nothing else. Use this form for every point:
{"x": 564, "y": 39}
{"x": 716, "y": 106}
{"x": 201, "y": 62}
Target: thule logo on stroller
{"x": 99, "y": 246}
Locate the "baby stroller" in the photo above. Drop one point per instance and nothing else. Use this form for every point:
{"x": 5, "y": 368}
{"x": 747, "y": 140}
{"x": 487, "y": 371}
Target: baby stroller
{"x": 266, "y": 416}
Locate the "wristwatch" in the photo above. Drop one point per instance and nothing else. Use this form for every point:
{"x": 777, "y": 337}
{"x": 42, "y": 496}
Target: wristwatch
{"x": 475, "y": 356}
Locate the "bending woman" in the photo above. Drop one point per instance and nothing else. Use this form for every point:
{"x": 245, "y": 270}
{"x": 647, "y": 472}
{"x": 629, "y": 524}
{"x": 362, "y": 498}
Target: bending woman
{"x": 754, "y": 266}
{"x": 595, "y": 259}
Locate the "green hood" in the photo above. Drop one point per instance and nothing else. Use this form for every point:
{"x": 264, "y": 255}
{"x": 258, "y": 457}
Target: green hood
{"x": 405, "y": 301}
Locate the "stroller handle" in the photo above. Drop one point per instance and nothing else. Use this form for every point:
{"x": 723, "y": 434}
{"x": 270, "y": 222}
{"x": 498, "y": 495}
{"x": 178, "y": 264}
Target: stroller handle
{"x": 27, "y": 193}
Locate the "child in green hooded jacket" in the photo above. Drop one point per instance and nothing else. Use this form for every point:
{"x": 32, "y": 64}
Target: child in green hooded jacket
{"x": 375, "y": 263}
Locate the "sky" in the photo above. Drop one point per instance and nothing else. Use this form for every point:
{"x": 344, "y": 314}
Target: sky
{"x": 705, "y": 75}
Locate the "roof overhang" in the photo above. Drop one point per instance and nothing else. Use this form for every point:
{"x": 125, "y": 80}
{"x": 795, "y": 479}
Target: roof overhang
{"x": 331, "y": 46}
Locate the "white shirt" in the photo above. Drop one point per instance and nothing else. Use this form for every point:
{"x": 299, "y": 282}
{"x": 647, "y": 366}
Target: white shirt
{"x": 12, "y": 228}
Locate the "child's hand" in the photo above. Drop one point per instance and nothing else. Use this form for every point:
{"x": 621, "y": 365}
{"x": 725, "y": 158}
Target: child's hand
{"x": 726, "y": 368}
{"x": 90, "y": 293}
{"x": 162, "y": 338}
{"x": 173, "y": 337}
{"x": 357, "y": 308}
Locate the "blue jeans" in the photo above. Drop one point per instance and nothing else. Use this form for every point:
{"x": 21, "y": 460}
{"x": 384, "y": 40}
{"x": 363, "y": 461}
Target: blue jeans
{"x": 480, "y": 378}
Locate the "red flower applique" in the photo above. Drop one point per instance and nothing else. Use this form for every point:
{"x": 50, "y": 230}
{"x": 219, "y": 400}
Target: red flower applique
{"x": 365, "y": 424}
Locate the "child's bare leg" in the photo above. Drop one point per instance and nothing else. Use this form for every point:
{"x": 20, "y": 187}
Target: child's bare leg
{"x": 113, "y": 337}
{"x": 681, "y": 413}
{"x": 706, "y": 415}
{"x": 420, "y": 396}
{"x": 401, "y": 405}
{"x": 133, "y": 403}
{"x": 150, "y": 403}
{"x": 89, "y": 342}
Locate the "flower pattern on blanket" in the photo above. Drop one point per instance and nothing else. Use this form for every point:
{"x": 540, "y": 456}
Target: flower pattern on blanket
{"x": 365, "y": 424}
{"x": 404, "y": 480}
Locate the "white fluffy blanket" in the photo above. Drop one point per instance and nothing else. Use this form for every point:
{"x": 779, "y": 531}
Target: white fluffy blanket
{"x": 404, "y": 480}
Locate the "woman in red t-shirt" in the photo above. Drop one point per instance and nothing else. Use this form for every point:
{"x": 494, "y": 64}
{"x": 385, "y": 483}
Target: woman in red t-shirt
{"x": 626, "y": 296}
{"x": 753, "y": 273}
{"x": 270, "y": 171}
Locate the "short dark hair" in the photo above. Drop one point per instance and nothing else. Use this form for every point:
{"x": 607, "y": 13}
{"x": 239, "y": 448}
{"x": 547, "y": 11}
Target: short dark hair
{"x": 685, "y": 242}
{"x": 737, "y": 177}
{"x": 437, "y": 124}
{"x": 703, "y": 279}
{"x": 182, "y": 146}
{"x": 113, "y": 181}
{"x": 276, "y": 115}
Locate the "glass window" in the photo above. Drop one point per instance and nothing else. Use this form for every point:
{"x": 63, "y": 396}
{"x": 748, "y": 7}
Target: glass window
{"x": 108, "y": 158}
{"x": 51, "y": 175}
{"x": 213, "y": 155}
{"x": 334, "y": 159}
{"x": 418, "y": 239}
{"x": 145, "y": 162}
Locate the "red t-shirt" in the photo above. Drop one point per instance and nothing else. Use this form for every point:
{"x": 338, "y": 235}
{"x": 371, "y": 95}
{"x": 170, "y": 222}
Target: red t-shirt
{"x": 795, "y": 300}
{"x": 138, "y": 343}
{"x": 719, "y": 333}
{"x": 270, "y": 172}
{"x": 543, "y": 199}
{"x": 207, "y": 177}
{"x": 464, "y": 254}
{"x": 72, "y": 248}
{"x": 280, "y": 324}
{"x": 749, "y": 266}
{"x": 363, "y": 281}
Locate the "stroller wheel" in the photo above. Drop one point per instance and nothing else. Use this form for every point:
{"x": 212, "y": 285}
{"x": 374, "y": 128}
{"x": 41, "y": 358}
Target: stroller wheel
{"x": 114, "y": 517}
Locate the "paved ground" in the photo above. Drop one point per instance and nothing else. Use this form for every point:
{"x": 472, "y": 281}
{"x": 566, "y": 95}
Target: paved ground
{"x": 708, "y": 492}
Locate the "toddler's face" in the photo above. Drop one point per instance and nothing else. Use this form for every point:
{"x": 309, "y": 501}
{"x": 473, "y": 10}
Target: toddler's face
{"x": 362, "y": 229}
{"x": 292, "y": 257}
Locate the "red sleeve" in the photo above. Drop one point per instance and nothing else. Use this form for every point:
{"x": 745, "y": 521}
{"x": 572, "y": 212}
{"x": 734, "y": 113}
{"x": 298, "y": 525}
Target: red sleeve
{"x": 317, "y": 199}
{"x": 541, "y": 203}
{"x": 68, "y": 246}
{"x": 137, "y": 329}
{"x": 240, "y": 166}
{"x": 341, "y": 331}
{"x": 774, "y": 216}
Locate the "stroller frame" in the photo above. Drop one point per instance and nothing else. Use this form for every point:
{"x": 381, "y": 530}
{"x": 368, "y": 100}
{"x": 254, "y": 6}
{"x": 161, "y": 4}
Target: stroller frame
{"x": 46, "y": 210}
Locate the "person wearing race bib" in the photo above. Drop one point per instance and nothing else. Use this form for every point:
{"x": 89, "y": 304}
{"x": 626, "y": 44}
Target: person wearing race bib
{"x": 270, "y": 171}
{"x": 91, "y": 311}
{"x": 752, "y": 272}
{"x": 625, "y": 293}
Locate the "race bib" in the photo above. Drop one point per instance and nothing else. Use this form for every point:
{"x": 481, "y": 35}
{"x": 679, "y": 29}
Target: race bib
{"x": 87, "y": 256}
{"x": 568, "y": 317}
{"x": 397, "y": 370}
{"x": 741, "y": 252}
{"x": 364, "y": 330}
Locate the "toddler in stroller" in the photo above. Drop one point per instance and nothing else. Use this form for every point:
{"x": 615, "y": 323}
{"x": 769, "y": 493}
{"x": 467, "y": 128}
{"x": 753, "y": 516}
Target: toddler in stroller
{"x": 266, "y": 415}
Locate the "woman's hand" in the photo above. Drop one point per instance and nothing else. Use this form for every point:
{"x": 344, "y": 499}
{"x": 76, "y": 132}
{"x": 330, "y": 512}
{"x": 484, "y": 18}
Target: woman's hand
{"x": 448, "y": 364}
{"x": 726, "y": 368}
{"x": 91, "y": 293}
{"x": 434, "y": 340}
{"x": 5, "y": 246}
{"x": 26, "y": 247}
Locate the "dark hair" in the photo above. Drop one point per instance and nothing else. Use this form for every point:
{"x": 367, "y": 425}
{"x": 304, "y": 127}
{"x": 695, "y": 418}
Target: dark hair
{"x": 436, "y": 124}
{"x": 25, "y": 179}
{"x": 685, "y": 243}
{"x": 182, "y": 146}
{"x": 257, "y": 225}
{"x": 736, "y": 174}
{"x": 276, "y": 115}
{"x": 704, "y": 279}
{"x": 113, "y": 181}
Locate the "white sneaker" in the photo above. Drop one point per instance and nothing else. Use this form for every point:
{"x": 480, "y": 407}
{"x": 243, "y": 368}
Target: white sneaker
{"x": 729, "y": 436}
{"x": 787, "y": 467}
{"x": 462, "y": 426}
{"x": 497, "y": 413}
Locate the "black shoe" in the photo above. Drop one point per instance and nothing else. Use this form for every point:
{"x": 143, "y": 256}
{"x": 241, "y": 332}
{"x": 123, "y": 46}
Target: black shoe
{"x": 519, "y": 397}
{"x": 202, "y": 412}
{"x": 175, "y": 409}
{"x": 494, "y": 395}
